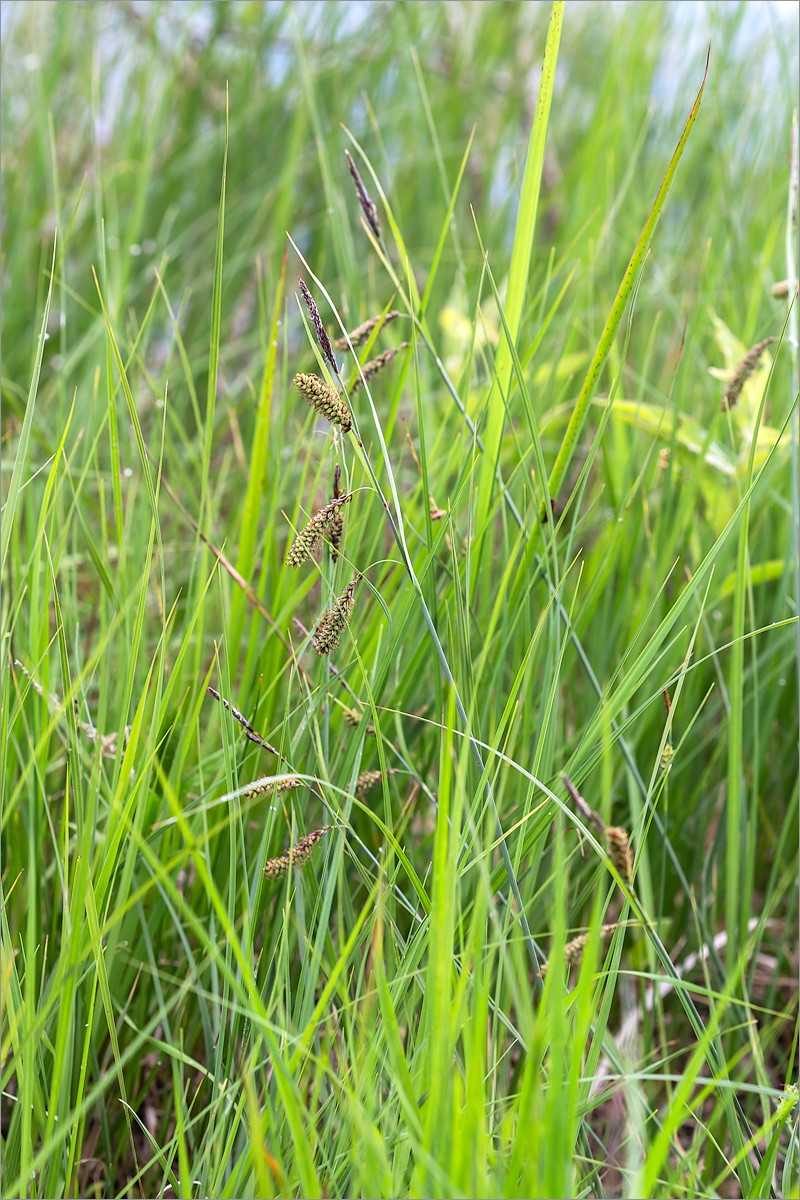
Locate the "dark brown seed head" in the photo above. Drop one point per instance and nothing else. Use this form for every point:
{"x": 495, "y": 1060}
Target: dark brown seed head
{"x": 332, "y": 625}
{"x": 296, "y": 856}
{"x": 742, "y": 373}
{"x": 360, "y": 335}
{"x": 319, "y": 328}
{"x": 327, "y": 523}
{"x": 367, "y": 207}
{"x": 324, "y": 399}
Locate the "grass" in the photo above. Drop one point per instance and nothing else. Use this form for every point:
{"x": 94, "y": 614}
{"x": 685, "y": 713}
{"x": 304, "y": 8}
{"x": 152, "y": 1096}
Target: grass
{"x": 429, "y": 969}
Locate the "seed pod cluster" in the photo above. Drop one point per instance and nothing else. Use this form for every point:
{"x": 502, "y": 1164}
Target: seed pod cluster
{"x": 327, "y": 523}
{"x": 324, "y": 399}
{"x": 333, "y": 623}
{"x": 297, "y": 856}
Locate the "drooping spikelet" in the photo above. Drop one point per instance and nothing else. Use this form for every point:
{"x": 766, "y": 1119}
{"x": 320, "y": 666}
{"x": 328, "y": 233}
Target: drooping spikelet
{"x": 327, "y": 523}
{"x": 324, "y": 399}
{"x": 619, "y": 851}
{"x": 743, "y": 372}
{"x": 353, "y": 718}
{"x": 376, "y": 364}
{"x": 319, "y": 328}
{"x": 367, "y": 206}
{"x": 297, "y": 856}
{"x": 573, "y": 951}
{"x": 333, "y": 623}
{"x": 334, "y": 534}
{"x": 360, "y": 335}
{"x": 368, "y": 779}
{"x": 268, "y": 783}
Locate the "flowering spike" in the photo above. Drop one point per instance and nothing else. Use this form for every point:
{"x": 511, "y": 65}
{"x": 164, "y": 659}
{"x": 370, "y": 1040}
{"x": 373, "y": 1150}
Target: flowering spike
{"x": 367, "y": 206}
{"x": 619, "y": 851}
{"x": 360, "y": 335}
{"x": 327, "y": 523}
{"x": 353, "y": 718}
{"x": 296, "y": 856}
{"x": 376, "y": 364}
{"x": 742, "y": 373}
{"x": 319, "y": 328}
{"x": 333, "y": 623}
{"x": 268, "y": 783}
{"x": 368, "y": 779}
{"x": 324, "y": 399}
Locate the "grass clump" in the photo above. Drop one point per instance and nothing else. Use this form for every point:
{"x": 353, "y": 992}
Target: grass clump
{"x": 510, "y": 925}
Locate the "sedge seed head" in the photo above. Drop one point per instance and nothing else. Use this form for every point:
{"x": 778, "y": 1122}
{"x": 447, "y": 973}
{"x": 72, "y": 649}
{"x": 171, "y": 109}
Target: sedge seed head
{"x": 297, "y": 856}
{"x": 324, "y": 399}
{"x": 619, "y": 851}
{"x": 319, "y": 328}
{"x": 327, "y": 523}
{"x": 332, "y": 625}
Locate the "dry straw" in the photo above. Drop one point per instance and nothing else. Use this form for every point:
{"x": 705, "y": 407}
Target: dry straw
{"x": 327, "y": 523}
{"x": 332, "y": 625}
{"x": 367, "y": 206}
{"x": 319, "y": 328}
{"x": 360, "y": 335}
{"x": 324, "y": 399}
{"x": 742, "y": 373}
{"x": 297, "y": 856}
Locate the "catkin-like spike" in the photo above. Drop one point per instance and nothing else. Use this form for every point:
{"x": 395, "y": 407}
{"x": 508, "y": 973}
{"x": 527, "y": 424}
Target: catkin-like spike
{"x": 360, "y": 335}
{"x": 324, "y": 399}
{"x": 667, "y": 756}
{"x": 375, "y": 365}
{"x": 319, "y": 328}
{"x": 327, "y": 523}
{"x": 367, "y": 206}
{"x": 742, "y": 373}
{"x": 368, "y": 779}
{"x": 619, "y": 851}
{"x": 573, "y": 951}
{"x": 297, "y": 856}
{"x": 353, "y": 718}
{"x": 268, "y": 783}
{"x": 333, "y": 623}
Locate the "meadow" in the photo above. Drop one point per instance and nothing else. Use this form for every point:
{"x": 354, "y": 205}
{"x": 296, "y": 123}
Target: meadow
{"x": 400, "y": 527}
